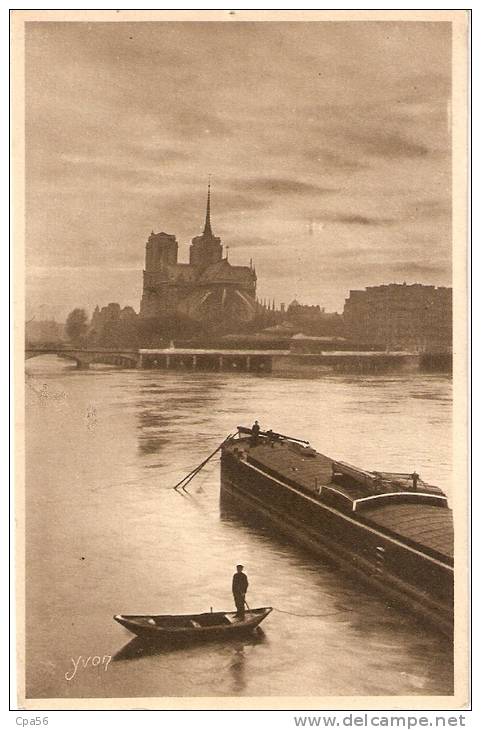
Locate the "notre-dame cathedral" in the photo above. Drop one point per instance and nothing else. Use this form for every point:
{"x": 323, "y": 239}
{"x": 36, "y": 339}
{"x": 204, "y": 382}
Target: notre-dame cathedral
{"x": 206, "y": 289}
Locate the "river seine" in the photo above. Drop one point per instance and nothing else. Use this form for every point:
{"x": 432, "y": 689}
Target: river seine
{"x": 106, "y": 534}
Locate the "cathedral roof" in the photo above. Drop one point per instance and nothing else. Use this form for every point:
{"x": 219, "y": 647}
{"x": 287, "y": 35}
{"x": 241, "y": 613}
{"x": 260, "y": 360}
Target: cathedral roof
{"x": 222, "y": 272}
{"x": 218, "y": 299}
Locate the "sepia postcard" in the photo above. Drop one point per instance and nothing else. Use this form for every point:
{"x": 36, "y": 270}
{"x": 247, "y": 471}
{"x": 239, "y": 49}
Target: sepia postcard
{"x": 240, "y": 257}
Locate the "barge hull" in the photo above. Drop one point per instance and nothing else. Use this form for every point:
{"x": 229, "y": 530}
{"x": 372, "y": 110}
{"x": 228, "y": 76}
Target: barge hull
{"x": 399, "y": 571}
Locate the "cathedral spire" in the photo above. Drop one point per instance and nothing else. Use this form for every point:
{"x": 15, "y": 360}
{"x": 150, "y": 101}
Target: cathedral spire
{"x": 207, "y": 227}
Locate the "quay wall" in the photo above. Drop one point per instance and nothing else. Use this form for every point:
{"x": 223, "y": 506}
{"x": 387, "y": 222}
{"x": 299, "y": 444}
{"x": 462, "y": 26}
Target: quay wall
{"x": 345, "y": 363}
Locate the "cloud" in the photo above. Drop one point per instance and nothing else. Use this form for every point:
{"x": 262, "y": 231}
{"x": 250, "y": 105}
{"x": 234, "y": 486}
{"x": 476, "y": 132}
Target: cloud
{"x": 144, "y": 154}
{"x": 356, "y": 220}
{"x": 379, "y": 269}
{"x": 188, "y": 206}
{"x": 188, "y": 124}
{"x": 334, "y": 161}
{"x": 430, "y": 87}
{"x": 431, "y": 209}
{"x": 388, "y": 144}
{"x": 239, "y": 242}
{"x": 281, "y": 186}
{"x": 427, "y": 271}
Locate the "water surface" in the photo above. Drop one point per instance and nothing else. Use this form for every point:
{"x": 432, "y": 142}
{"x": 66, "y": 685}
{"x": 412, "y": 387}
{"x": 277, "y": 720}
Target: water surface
{"x": 107, "y": 534}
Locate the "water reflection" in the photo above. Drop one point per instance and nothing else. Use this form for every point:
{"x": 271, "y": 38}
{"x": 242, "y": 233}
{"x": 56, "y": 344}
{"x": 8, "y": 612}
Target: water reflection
{"x": 161, "y": 409}
{"x": 138, "y": 648}
{"x": 237, "y": 668}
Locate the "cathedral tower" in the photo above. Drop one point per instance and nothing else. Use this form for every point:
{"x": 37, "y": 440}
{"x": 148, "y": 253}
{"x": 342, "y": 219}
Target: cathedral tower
{"x": 161, "y": 251}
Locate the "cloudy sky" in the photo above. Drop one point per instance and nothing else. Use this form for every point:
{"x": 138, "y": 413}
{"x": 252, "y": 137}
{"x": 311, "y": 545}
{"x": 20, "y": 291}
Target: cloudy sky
{"x": 328, "y": 145}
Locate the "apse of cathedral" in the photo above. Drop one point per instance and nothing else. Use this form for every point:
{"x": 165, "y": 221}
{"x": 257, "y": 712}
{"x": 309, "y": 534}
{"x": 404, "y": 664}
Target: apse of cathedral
{"x": 208, "y": 288}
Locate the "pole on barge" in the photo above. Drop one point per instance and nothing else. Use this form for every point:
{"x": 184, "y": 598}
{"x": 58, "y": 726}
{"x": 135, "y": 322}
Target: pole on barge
{"x": 188, "y": 477}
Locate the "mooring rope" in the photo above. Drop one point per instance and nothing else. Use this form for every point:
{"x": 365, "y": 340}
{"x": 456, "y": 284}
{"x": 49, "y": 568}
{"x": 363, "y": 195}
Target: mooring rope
{"x": 311, "y": 615}
{"x": 164, "y": 472}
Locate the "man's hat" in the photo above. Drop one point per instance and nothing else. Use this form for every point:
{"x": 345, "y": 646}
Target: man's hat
{"x": 239, "y": 566}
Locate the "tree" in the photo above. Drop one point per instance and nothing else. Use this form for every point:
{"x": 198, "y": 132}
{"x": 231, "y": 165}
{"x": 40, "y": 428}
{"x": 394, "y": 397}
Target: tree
{"x": 76, "y": 325}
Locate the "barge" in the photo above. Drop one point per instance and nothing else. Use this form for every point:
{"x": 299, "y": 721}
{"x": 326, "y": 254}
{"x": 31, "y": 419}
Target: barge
{"x": 393, "y": 531}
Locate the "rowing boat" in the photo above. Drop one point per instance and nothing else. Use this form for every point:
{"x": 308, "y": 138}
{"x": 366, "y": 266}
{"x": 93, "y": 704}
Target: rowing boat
{"x": 213, "y": 625}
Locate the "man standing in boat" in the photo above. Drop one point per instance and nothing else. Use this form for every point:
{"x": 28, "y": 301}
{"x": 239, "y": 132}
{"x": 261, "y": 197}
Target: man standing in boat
{"x": 239, "y": 589}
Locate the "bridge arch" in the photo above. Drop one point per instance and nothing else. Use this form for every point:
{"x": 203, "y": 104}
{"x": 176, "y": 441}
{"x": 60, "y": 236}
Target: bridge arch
{"x": 30, "y": 354}
{"x": 84, "y": 358}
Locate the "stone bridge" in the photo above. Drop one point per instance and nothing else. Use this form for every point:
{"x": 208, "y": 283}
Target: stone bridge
{"x": 87, "y": 357}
